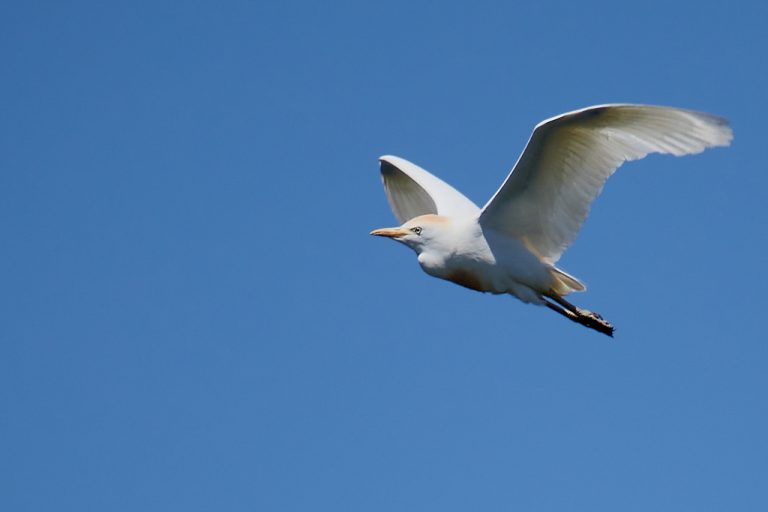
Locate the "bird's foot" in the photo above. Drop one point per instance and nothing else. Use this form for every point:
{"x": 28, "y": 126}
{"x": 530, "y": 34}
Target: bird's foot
{"x": 595, "y": 321}
{"x": 590, "y": 314}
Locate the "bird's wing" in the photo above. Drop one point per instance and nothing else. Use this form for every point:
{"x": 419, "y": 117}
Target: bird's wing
{"x": 547, "y": 195}
{"x": 412, "y": 191}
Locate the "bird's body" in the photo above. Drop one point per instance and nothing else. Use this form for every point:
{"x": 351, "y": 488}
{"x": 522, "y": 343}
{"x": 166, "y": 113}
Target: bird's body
{"x": 511, "y": 245}
{"x": 482, "y": 260}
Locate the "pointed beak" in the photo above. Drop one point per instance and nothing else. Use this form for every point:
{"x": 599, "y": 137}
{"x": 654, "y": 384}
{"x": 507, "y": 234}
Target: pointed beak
{"x": 390, "y": 232}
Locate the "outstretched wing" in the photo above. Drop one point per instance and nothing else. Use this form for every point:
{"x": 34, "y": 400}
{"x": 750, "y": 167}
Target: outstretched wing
{"x": 547, "y": 196}
{"x": 412, "y": 191}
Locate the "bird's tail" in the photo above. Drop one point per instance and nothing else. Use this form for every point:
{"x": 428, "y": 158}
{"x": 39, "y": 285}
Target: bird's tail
{"x": 564, "y": 283}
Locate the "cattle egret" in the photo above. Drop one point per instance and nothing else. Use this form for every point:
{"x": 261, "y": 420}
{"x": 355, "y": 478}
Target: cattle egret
{"x": 511, "y": 245}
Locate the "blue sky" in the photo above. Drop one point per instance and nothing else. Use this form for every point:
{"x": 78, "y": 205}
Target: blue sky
{"x": 194, "y": 316}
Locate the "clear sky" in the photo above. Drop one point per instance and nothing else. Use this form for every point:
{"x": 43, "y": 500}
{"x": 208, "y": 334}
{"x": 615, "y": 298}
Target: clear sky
{"x": 194, "y": 317}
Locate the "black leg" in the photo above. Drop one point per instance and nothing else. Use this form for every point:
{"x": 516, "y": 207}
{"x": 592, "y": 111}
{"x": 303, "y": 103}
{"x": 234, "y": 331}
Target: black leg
{"x": 580, "y": 316}
{"x": 566, "y": 313}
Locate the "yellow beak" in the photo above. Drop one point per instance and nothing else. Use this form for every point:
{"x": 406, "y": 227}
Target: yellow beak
{"x": 390, "y": 232}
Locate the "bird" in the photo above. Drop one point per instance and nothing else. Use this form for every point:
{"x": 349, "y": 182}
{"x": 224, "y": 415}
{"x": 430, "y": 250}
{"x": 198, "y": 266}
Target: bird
{"x": 512, "y": 244}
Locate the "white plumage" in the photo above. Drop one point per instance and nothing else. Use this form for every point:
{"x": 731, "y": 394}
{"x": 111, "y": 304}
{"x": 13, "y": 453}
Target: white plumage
{"x": 512, "y": 243}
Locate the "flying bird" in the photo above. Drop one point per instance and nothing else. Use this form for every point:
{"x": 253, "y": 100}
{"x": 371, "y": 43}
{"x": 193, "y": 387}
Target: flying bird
{"x": 511, "y": 245}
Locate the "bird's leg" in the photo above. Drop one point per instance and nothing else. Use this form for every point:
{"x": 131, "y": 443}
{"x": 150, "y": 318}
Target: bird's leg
{"x": 570, "y": 307}
{"x": 574, "y": 309}
{"x": 566, "y": 313}
{"x": 578, "y": 315}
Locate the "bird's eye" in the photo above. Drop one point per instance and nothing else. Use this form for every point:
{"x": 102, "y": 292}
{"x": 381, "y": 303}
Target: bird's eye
{"x": 416, "y": 230}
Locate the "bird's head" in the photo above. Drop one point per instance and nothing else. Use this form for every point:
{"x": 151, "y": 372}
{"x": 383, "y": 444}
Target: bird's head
{"x": 419, "y": 232}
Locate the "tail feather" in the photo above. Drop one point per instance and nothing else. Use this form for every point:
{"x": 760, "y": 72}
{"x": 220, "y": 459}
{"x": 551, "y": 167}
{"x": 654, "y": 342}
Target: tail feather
{"x": 564, "y": 283}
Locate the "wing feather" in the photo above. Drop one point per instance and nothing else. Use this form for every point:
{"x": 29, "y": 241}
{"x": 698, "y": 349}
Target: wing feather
{"x": 546, "y": 197}
{"x": 412, "y": 191}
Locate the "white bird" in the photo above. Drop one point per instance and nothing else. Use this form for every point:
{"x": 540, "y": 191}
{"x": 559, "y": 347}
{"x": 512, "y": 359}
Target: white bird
{"x": 511, "y": 245}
